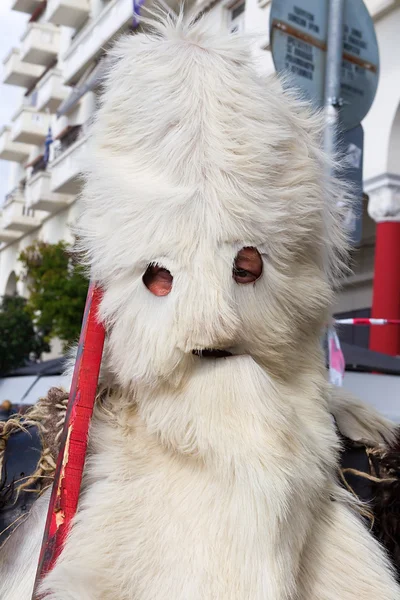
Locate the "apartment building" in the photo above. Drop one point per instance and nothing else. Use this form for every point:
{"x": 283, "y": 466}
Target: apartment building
{"x": 59, "y": 62}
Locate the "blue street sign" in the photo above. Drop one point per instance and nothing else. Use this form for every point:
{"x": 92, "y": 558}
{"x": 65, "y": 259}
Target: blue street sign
{"x": 298, "y": 34}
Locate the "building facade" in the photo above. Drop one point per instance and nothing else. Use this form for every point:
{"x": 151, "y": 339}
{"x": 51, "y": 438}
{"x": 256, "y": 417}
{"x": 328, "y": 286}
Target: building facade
{"x": 59, "y": 62}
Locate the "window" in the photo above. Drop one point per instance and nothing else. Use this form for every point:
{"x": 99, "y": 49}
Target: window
{"x": 27, "y": 212}
{"x": 236, "y": 17}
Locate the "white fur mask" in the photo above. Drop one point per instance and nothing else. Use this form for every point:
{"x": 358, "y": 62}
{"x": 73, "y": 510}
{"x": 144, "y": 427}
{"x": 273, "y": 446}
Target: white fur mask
{"x": 194, "y": 157}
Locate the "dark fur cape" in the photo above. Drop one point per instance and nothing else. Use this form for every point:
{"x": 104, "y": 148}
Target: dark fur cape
{"x": 373, "y": 475}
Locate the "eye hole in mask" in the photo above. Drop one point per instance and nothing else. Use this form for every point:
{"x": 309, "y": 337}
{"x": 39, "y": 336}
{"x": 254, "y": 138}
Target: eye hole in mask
{"x": 158, "y": 280}
{"x": 248, "y": 266}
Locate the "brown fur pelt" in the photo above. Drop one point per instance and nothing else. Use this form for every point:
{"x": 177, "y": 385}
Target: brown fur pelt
{"x": 48, "y": 416}
{"x": 385, "y": 467}
{"x": 383, "y": 478}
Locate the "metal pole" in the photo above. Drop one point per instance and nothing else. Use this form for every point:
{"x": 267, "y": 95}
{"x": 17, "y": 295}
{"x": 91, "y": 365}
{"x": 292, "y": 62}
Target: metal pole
{"x": 333, "y": 101}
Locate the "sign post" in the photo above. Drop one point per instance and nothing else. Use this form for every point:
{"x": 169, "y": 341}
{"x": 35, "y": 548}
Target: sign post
{"x": 329, "y": 51}
{"x": 333, "y": 100}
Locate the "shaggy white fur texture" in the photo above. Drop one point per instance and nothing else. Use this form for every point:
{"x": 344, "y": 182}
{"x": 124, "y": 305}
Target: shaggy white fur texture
{"x": 358, "y": 421}
{"x": 19, "y": 557}
{"x": 212, "y": 479}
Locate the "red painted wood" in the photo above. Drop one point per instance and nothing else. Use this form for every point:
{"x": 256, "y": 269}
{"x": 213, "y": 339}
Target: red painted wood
{"x": 372, "y": 322}
{"x": 386, "y": 290}
{"x": 71, "y": 459}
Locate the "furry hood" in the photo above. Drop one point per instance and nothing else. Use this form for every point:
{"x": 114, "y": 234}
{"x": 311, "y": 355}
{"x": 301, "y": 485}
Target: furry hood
{"x": 195, "y": 157}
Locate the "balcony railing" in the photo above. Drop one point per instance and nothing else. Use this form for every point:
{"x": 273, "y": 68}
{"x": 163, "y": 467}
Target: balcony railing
{"x": 16, "y": 195}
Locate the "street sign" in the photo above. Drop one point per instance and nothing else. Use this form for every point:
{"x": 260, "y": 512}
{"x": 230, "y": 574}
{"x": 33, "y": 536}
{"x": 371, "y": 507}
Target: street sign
{"x": 298, "y": 34}
{"x": 351, "y": 147}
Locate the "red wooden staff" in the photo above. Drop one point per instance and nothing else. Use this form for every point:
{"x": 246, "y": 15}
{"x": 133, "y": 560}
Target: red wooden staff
{"x": 71, "y": 458}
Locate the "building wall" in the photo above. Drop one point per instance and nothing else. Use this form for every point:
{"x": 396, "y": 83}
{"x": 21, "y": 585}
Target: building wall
{"x": 382, "y": 152}
{"x": 80, "y": 48}
{"x": 379, "y": 391}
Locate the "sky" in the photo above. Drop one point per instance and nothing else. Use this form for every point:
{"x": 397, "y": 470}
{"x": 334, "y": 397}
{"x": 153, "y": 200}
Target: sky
{"x": 12, "y": 26}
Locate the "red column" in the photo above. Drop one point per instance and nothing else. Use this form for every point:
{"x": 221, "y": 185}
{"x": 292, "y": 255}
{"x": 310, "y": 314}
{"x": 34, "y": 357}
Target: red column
{"x": 386, "y": 291}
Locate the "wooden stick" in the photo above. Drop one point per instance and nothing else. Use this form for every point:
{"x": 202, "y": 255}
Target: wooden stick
{"x": 71, "y": 458}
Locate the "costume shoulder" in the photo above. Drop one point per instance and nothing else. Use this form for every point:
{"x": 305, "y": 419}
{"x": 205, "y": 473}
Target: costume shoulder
{"x": 372, "y": 474}
{"x": 370, "y": 466}
{"x": 20, "y": 461}
{"x": 358, "y": 421}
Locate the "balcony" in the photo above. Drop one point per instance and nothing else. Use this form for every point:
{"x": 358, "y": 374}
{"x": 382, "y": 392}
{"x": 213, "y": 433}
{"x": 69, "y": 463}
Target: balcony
{"x": 10, "y": 150}
{"x": 16, "y": 216}
{"x": 17, "y": 72}
{"x": 39, "y": 195}
{"x": 379, "y": 8}
{"x": 8, "y": 236}
{"x": 70, "y": 13}
{"x": 51, "y": 92}
{"x": 90, "y": 42}
{"x": 67, "y": 164}
{"x": 40, "y": 44}
{"x": 30, "y": 126}
{"x": 26, "y": 6}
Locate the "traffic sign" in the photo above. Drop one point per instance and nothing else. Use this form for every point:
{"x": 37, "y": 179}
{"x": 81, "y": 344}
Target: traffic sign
{"x": 298, "y": 34}
{"x": 351, "y": 147}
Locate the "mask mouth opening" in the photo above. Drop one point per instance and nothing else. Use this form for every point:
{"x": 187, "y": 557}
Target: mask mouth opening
{"x": 211, "y": 353}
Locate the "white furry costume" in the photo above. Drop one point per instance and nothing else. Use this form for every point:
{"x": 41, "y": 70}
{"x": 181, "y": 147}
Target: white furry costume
{"x": 211, "y": 478}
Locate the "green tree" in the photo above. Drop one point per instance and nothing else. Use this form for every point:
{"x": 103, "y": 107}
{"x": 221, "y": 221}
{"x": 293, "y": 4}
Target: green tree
{"x": 18, "y": 339}
{"x": 57, "y": 286}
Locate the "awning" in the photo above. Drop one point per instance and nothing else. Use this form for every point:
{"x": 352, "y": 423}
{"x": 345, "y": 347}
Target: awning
{"x": 358, "y": 358}
{"x": 34, "y": 161}
{"x": 363, "y": 359}
{"x": 66, "y": 131}
{"x": 93, "y": 81}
